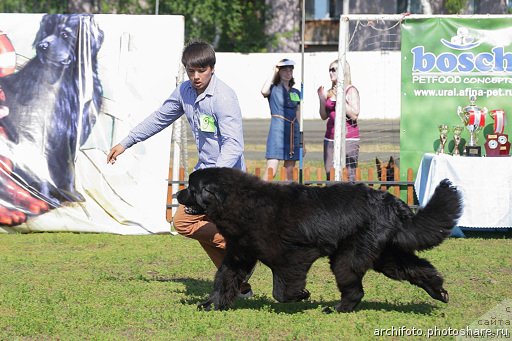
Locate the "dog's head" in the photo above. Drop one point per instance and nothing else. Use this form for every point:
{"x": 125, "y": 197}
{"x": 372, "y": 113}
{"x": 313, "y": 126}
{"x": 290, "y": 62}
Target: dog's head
{"x": 205, "y": 191}
{"x": 389, "y": 169}
{"x": 58, "y": 37}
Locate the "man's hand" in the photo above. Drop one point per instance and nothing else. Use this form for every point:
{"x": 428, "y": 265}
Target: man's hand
{"x": 114, "y": 153}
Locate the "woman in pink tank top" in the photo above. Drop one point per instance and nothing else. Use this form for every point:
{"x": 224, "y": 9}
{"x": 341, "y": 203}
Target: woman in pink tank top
{"x": 328, "y": 112}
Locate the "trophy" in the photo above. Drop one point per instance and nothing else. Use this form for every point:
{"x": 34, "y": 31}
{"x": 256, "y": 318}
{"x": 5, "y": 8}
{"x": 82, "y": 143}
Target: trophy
{"x": 473, "y": 118}
{"x": 497, "y": 144}
{"x": 457, "y": 130}
{"x": 443, "y": 137}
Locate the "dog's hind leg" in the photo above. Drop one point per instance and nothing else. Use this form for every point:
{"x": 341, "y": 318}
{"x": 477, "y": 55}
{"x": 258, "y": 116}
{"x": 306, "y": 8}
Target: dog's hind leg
{"x": 290, "y": 284}
{"x": 400, "y": 265}
{"x": 349, "y": 281}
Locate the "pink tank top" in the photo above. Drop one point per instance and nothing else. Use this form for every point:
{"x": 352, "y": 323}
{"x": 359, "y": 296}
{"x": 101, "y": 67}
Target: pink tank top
{"x": 352, "y": 128}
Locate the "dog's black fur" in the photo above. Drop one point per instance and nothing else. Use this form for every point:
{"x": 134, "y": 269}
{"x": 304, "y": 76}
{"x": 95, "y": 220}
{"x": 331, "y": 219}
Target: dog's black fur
{"x": 43, "y": 102}
{"x": 288, "y": 227}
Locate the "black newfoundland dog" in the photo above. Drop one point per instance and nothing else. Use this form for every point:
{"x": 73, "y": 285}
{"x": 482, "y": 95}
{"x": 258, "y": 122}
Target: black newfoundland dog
{"x": 53, "y": 102}
{"x": 288, "y": 227}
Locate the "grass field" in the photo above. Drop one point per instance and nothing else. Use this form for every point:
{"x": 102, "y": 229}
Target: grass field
{"x": 63, "y": 286}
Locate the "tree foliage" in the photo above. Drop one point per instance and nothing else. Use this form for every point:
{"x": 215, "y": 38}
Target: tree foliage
{"x": 230, "y": 25}
{"x": 454, "y": 6}
{"x": 33, "y": 6}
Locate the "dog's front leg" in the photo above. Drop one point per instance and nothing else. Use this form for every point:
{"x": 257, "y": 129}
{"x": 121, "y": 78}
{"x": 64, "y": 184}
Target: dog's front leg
{"x": 226, "y": 286}
{"x": 212, "y": 301}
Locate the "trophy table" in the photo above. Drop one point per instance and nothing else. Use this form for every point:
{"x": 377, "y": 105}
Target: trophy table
{"x": 473, "y": 118}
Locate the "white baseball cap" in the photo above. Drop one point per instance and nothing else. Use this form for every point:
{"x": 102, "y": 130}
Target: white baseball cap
{"x": 285, "y": 62}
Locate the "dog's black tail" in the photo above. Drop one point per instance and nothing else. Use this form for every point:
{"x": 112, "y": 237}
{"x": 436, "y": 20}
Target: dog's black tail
{"x": 434, "y": 222}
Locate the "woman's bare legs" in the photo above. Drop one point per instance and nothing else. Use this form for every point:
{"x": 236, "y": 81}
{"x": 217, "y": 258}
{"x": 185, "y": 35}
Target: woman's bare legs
{"x": 271, "y": 164}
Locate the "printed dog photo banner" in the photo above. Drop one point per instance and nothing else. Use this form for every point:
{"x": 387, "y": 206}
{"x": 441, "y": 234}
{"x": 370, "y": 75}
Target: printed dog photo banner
{"x": 72, "y": 86}
{"x": 451, "y": 63}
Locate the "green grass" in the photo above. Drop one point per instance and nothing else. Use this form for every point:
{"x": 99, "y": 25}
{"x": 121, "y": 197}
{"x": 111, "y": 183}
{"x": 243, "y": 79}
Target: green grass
{"x": 109, "y": 287}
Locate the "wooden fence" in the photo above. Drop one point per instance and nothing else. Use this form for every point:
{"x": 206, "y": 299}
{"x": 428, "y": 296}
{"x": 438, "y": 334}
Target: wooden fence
{"x": 389, "y": 181}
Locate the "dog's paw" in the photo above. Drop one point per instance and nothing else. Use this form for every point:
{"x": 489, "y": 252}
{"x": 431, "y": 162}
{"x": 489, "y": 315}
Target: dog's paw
{"x": 205, "y": 305}
{"x": 327, "y": 310}
{"x": 440, "y": 295}
{"x": 304, "y": 295}
{"x": 437, "y": 293}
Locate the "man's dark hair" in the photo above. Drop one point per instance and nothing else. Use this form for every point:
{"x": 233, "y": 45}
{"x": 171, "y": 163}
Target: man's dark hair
{"x": 198, "y": 54}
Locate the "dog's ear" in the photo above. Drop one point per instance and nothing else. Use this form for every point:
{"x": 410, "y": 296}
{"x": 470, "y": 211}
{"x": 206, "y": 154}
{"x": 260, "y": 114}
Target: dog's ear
{"x": 378, "y": 166}
{"x": 46, "y": 25}
{"x": 391, "y": 162}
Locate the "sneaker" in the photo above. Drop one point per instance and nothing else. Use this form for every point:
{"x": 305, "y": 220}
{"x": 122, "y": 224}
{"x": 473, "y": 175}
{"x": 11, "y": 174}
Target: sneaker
{"x": 245, "y": 291}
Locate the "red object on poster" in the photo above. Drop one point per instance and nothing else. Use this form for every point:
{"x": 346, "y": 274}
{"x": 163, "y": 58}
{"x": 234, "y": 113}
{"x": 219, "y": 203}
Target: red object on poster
{"x": 7, "y": 56}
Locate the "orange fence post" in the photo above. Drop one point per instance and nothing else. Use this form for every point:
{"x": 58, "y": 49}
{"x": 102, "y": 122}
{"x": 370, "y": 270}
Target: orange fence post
{"x": 410, "y": 188}
{"x": 270, "y": 174}
{"x": 383, "y": 187}
{"x": 182, "y": 178}
{"x": 396, "y": 176}
{"x": 282, "y": 175}
{"x": 168, "y": 210}
{"x": 307, "y": 174}
{"x": 344, "y": 174}
{"x": 370, "y": 176}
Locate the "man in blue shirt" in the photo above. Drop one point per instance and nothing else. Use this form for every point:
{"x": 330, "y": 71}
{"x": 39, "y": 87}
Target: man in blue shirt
{"x": 213, "y": 112}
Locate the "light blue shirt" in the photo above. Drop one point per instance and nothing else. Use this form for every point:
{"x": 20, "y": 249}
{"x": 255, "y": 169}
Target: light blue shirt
{"x": 215, "y": 119}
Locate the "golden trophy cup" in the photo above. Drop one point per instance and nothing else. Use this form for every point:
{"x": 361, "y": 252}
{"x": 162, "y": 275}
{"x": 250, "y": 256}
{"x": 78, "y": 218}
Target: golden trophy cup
{"x": 473, "y": 118}
{"x": 457, "y": 131}
{"x": 443, "y": 137}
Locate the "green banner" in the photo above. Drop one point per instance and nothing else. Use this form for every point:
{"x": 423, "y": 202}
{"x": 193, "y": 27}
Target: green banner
{"x": 444, "y": 62}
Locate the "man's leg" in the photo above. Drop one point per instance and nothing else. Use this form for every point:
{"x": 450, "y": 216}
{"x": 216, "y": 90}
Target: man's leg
{"x": 205, "y": 232}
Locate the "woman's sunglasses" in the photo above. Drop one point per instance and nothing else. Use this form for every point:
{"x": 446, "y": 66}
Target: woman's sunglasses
{"x": 333, "y": 69}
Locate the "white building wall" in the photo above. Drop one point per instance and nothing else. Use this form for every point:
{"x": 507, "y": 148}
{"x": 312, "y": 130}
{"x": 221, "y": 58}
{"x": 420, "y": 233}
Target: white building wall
{"x": 376, "y": 74}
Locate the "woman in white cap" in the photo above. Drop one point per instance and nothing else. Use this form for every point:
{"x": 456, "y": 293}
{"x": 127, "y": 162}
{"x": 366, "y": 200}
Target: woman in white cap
{"x": 283, "y": 140}
{"x": 327, "y": 112}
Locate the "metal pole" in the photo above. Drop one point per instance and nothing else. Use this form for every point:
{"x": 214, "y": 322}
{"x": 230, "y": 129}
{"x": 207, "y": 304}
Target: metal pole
{"x": 156, "y": 7}
{"x": 301, "y": 109}
{"x": 339, "y": 122}
{"x": 346, "y": 6}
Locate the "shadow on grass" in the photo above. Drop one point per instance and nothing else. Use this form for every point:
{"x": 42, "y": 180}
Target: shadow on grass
{"x": 198, "y": 291}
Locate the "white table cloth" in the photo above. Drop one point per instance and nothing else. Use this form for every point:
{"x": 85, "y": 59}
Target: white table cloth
{"x": 485, "y": 183}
